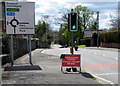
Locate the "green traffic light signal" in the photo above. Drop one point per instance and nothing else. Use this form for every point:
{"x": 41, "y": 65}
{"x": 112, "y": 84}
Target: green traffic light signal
{"x": 73, "y": 27}
{"x": 73, "y": 22}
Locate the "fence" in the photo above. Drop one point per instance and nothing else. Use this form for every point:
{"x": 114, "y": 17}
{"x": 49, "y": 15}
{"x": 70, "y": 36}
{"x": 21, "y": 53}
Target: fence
{"x": 20, "y": 48}
{"x": 110, "y": 45}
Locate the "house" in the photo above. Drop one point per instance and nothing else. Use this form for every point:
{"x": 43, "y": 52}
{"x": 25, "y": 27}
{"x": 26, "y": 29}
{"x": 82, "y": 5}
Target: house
{"x": 94, "y": 41}
{"x": 89, "y": 33}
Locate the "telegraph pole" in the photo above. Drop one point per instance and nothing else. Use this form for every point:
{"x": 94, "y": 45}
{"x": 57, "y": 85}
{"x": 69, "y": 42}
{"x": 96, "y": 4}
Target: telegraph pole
{"x": 46, "y": 18}
{"x": 98, "y": 29}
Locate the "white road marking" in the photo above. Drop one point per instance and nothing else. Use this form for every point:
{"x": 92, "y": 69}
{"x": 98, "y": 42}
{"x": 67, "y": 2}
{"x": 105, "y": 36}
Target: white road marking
{"x": 103, "y": 80}
{"x": 105, "y": 74}
{"x": 103, "y": 54}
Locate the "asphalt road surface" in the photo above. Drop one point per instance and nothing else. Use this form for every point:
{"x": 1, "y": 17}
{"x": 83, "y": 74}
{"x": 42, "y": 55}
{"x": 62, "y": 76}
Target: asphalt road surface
{"x": 100, "y": 62}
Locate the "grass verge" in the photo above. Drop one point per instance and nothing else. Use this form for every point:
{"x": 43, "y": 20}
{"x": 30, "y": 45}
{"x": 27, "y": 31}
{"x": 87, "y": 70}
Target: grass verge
{"x": 79, "y": 46}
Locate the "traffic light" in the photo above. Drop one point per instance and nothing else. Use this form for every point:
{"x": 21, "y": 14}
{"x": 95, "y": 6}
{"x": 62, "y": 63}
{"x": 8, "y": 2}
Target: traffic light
{"x": 73, "y": 22}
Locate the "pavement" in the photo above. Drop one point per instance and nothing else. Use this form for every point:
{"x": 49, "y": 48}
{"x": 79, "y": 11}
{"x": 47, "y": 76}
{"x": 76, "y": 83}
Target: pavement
{"x": 50, "y": 72}
{"x": 103, "y": 48}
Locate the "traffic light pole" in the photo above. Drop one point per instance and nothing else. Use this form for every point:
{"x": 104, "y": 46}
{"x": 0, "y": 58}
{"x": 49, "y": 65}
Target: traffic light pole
{"x": 72, "y": 43}
{"x": 72, "y": 39}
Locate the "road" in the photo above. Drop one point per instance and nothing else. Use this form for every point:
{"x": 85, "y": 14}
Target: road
{"x": 102, "y": 64}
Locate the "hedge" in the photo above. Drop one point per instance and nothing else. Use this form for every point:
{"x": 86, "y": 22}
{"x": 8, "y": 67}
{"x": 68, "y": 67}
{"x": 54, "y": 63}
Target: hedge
{"x": 85, "y": 41}
{"x": 110, "y": 37}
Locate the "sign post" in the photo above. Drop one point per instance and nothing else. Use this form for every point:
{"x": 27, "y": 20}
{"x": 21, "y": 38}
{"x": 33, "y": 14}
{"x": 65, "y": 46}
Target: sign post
{"x": 11, "y": 50}
{"x": 20, "y": 20}
{"x": 30, "y": 56}
{"x": 72, "y": 43}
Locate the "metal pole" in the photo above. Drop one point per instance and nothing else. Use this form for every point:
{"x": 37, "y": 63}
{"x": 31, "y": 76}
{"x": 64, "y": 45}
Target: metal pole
{"x": 11, "y": 50}
{"x": 72, "y": 42}
{"x": 30, "y": 56}
{"x": 27, "y": 43}
{"x": 72, "y": 39}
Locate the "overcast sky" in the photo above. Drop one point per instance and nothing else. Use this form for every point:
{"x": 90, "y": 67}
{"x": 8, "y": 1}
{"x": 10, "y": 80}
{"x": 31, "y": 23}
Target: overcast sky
{"x": 55, "y": 9}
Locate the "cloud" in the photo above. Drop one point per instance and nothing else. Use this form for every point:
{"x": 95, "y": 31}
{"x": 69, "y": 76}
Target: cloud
{"x": 109, "y": 13}
{"x": 99, "y": 0}
{"x": 44, "y": 7}
{"x": 55, "y": 27}
{"x": 54, "y": 7}
{"x": 85, "y": 4}
{"x": 105, "y": 23}
{"x": 105, "y": 18}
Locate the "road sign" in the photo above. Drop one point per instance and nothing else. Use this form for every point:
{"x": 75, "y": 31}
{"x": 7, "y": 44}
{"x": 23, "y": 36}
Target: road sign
{"x": 73, "y": 21}
{"x": 20, "y": 17}
{"x": 71, "y": 60}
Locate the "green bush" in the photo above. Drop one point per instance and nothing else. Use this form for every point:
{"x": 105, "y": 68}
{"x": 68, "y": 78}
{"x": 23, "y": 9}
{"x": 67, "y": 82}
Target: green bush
{"x": 85, "y": 41}
{"x": 110, "y": 37}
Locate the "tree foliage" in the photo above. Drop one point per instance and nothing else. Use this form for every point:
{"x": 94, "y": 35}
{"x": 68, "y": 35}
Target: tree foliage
{"x": 42, "y": 31}
{"x": 114, "y": 24}
{"x": 85, "y": 22}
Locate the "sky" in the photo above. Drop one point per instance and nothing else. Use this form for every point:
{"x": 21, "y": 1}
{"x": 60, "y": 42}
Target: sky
{"x": 55, "y": 9}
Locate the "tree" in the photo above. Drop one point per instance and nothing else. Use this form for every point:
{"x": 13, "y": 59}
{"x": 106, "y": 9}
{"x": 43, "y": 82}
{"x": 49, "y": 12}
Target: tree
{"x": 85, "y": 21}
{"x": 62, "y": 36}
{"x": 84, "y": 16}
{"x": 114, "y": 24}
{"x": 41, "y": 31}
